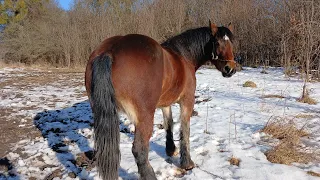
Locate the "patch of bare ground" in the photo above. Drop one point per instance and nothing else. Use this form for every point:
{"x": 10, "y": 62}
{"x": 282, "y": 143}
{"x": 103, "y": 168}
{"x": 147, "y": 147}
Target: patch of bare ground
{"x": 55, "y": 174}
{"x": 32, "y": 79}
{"x": 11, "y": 132}
{"x": 86, "y": 160}
{"x": 289, "y": 149}
{"x": 16, "y": 85}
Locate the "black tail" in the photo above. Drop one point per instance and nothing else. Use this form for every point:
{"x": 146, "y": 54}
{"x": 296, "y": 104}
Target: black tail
{"x": 106, "y": 119}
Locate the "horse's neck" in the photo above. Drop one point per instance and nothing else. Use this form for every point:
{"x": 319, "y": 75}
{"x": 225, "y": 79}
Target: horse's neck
{"x": 196, "y": 60}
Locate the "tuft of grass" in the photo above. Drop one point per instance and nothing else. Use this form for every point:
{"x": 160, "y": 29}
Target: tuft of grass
{"x": 307, "y": 99}
{"x": 249, "y": 84}
{"x": 234, "y": 161}
{"x": 282, "y": 128}
{"x": 304, "y": 116}
{"x": 313, "y": 173}
{"x": 288, "y": 150}
{"x": 272, "y": 96}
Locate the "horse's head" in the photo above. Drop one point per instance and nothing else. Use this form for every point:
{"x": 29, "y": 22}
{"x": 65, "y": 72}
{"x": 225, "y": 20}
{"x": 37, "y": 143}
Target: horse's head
{"x": 222, "y": 52}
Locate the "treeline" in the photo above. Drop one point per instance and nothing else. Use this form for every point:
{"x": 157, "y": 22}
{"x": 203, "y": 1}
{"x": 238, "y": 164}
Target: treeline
{"x": 268, "y": 32}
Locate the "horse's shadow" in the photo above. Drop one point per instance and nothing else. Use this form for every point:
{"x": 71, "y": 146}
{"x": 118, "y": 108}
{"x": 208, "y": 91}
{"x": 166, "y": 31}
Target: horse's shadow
{"x": 69, "y": 134}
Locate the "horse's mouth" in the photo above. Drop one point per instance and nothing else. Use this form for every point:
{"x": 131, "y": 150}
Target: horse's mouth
{"x": 227, "y": 75}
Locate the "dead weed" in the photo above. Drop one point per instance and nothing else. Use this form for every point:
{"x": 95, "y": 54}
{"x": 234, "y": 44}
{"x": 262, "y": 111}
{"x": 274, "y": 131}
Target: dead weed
{"x": 273, "y": 96}
{"x": 307, "y": 99}
{"x": 288, "y": 150}
{"x": 313, "y": 173}
{"x": 250, "y": 84}
{"x": 234, "y": 161}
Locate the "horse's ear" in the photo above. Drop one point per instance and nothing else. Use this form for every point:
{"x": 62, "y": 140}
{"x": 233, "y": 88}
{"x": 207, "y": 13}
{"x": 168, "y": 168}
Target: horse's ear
{"x": 213, "y": 27}
{"x": 230, "y": 27}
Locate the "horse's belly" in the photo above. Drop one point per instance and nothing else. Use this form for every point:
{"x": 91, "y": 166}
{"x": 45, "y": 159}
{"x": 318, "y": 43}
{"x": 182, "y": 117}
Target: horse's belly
{"x": 169, "y": 97}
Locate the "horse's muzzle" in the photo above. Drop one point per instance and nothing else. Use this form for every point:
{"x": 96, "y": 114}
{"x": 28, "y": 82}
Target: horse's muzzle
{"x": 228, "y": 72}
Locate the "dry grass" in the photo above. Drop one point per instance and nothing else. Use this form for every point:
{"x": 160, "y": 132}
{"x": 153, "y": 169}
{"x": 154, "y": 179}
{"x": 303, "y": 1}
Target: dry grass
{"x": 282, "y": 128}
{"x": 307, "y": 99}
{"x": 313, "y": 173}
{"x": 272, "y": 96}
{"x": 234, "y": 161}
{"x": 304, "y": 116}
{"x": 288, "y": 150}
{"x": 250, "y": 84}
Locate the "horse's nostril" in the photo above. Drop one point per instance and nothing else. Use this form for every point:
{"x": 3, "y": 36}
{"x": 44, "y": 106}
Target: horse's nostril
{"x": 227, "y": 69}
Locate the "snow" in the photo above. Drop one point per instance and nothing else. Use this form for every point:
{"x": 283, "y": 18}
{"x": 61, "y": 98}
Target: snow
{"x": 234, "y": 115}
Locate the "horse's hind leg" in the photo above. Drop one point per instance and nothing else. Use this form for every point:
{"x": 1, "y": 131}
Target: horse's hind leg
{"x": 186, "y": 111}
{"x": 168, "y": 125}
{"x": 140, "y": 149}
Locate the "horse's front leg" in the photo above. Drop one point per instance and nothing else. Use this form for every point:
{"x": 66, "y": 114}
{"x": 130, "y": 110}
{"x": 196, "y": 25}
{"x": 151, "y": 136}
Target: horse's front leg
{"x": 186, "y": 107}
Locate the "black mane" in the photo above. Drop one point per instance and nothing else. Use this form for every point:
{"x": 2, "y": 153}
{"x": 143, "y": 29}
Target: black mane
{"x": 196, "y": 45}
{"x": 192, "y": 44}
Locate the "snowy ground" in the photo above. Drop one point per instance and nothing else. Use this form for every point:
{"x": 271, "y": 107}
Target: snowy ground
{"x": 54, "y": 106}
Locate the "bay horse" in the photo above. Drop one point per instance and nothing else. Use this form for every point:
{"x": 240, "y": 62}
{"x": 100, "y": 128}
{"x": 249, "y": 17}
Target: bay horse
{"x": 135, "y": 74}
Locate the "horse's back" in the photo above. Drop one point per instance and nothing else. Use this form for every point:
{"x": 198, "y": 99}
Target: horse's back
{"x": 137, "y": 70}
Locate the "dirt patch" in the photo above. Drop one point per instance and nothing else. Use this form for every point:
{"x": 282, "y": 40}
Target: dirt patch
{"x": 86, "y": 160}
{"x": 56, "y": 173}
{"x": 21, "y": 93}
{"x": 13, "y": 130}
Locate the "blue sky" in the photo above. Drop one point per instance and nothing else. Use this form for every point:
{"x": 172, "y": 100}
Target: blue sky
{"x": 65, "y": 4}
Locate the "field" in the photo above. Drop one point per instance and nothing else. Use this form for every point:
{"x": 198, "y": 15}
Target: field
{"x": 46, "y": 127}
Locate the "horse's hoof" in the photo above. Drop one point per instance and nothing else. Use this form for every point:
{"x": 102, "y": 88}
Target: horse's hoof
{"x": 188, "y": 166}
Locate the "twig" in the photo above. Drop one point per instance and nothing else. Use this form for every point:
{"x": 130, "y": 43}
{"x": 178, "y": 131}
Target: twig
{"x": 206, "y": 131}
{"x": 235, "y": 126}
{"x": 213, "y": 175}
